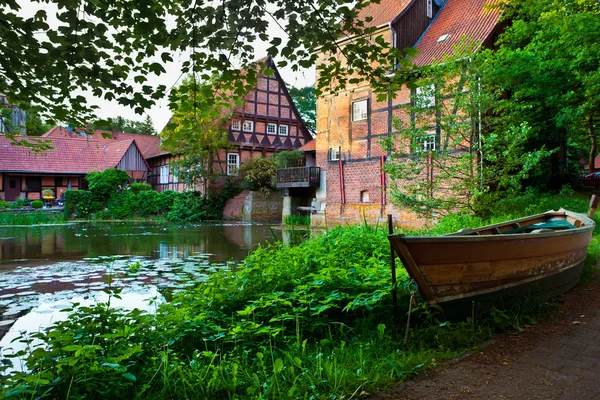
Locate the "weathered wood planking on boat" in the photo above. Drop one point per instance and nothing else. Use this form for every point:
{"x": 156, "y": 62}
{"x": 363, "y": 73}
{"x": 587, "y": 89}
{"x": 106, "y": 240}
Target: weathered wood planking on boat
{"x": 503, "y": 260}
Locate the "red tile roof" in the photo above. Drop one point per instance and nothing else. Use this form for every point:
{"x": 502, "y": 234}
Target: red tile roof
{"x": 114, "y": 151}
{"x": 149, "y": 145}
{"x": 309, "y": 146}
{"x": 458, "y": 19}
{"x": 69, "y": 156}
{"x": 384, "y": 12}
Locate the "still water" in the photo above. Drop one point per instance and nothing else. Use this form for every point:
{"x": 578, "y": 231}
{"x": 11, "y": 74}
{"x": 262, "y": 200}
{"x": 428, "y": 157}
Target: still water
{"x": 43, "y": 269}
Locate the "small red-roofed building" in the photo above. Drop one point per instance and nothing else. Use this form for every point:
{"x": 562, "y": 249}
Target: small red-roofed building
{"x": 351, "y": 124}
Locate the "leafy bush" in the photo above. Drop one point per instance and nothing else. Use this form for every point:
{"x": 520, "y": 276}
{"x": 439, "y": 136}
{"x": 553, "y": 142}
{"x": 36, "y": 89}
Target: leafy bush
{"x": 37, "y": 204}
{"x": 188, "y": 207}
{"x": 289, "y": 159}
{"x": 121, "y": 205}
{"x": 166, "y": 200}
{"x": 3, "y": 204}
{"x": 259, "y": 173}
{"x": 138, "y": 187}
{"x": 80, "y": 204}
{"x": 106, "y": 183}
{"x": 147, "y": 203}
{"x": 297, "y": 220}
{"x": 20, "y": 203}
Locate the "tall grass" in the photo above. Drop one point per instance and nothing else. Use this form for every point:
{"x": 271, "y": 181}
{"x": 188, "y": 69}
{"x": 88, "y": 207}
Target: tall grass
{"x": 31, "y": 218}
{"x": 310, "y": 321}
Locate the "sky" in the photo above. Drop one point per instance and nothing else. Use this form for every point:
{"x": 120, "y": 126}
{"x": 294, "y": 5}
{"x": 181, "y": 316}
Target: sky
{"x": 160, "y": 112}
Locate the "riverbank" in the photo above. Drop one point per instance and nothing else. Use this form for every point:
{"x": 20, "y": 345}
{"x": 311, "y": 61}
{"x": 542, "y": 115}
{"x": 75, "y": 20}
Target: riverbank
{"x": 314, "y": 320}
{"x": 555, "y": 359}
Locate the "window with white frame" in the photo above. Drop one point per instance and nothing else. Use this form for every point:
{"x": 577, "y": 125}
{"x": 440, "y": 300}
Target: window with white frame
{"x": 233, "y": 163}
{"x": 248, "y": 126}
{"x": 426, "y": 143}
{"x": 334, "y": 153}
{"x": 236, "y": 125}
{"x": 272, "y": 129}
{"x": 429, "y": 8}
{"x": 164, "y": 174}
{"x": 283, "y": 130}
{"x": 175, "y": 176}
{"x": 425, "y": 96}
{"x": 359, "y": 110}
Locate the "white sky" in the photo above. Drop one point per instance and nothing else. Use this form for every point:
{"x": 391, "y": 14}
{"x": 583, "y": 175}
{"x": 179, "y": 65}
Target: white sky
{"x": 160, "y": 113}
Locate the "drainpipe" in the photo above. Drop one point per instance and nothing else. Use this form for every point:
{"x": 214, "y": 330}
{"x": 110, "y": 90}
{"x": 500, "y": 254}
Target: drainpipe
{"x": 382, "y": 173}
{"x": 342, "y": 186}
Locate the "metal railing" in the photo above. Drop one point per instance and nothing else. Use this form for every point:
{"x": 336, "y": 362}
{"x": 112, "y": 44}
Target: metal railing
{"x": 301, "y": 175}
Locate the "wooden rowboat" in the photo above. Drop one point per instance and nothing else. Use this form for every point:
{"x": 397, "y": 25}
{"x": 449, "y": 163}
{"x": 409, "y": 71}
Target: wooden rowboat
{"x": 541, "y": 254}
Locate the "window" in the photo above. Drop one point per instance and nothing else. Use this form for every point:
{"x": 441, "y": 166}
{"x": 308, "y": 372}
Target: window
{"x": 334, "y": 153}
{"x": 58, "y": 181}
{"x": 34, "y": 183}
{"x": 283, "y": 130}
{"x": 233, "y": 163}
{"x": 164, "y": 174}
{"x": 272, "y": 129}
{"x": 248, "y": 126}
{"x": 236, "y": 125}
{"x": 12, "y": 184}
{"x": 429, "y": 8}
{"x": 426, "y": 143}
{"x": 425, "y": 96}
{"x": 364, "y": 196}
{"x": 359, "y": 110}
{"x": 175, "y": 176}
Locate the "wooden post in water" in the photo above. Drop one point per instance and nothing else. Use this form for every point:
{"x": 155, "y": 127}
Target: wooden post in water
{"x": 393, "y": 264}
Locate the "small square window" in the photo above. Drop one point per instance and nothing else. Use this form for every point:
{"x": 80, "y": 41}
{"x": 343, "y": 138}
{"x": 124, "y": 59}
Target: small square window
{"x": 283, "y": 130}
{"x": 233, "y": 163}
{"x": 334, "y": 153}
{"x": 359, "y": 110}
{"x": 236, "y": 125}
{"x": 248, "y": 126}
{"x": 426, "y": 143}
{"x": 425, "y": 96}
{"x": 272, "y": 129}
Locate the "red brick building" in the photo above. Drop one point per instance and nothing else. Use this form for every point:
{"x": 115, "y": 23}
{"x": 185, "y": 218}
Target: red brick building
{"x": 351, "y": 123}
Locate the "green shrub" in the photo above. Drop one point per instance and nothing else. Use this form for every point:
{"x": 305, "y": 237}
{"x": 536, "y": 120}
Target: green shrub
{"x": 289, "y": 159}
{"x": 147, "y": 203}
{"x": 138, "y": 187}
{"x": 80, "y": 204}
{"x": 188, "y": 207}
{"x": 37, "y": 204}
{"x": 297, "y": 220}
{"x": 20, "y": 203}
{"x": 3, "y": 204}
{"x": 166, "y": 200}
{"x": 121, "y": 205}
{"x": 106, "y": 183}
{"x": 259, "y": 173}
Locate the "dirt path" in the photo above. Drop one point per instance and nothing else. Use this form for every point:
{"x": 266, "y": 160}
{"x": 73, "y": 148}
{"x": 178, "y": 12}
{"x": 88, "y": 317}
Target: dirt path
{"x": 557, "y": 359}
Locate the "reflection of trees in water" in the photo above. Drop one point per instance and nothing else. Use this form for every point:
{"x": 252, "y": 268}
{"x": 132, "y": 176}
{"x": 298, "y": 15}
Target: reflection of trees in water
{"x": 150, "y": 240}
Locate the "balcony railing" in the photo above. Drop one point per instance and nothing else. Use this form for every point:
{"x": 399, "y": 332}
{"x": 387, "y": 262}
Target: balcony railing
{"x": 298, "y": 177}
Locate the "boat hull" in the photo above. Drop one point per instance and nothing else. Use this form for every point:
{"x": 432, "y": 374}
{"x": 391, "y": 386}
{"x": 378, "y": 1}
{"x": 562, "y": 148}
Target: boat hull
{"x": 455, "y": 269}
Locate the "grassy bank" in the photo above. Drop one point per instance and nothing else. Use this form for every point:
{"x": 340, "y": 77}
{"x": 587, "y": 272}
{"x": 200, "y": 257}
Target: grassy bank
{"x": 32, "y": 218}
{"x": 311, "y": 321}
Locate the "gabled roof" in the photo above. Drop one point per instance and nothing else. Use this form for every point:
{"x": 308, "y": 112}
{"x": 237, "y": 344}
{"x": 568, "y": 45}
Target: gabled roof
{"x": 69, "y": 156}
{"x": 309, "y": 146}
{"x": 148, "y": 145}
{"x": 384, "y": 12}
{"x": 457, "y": 19}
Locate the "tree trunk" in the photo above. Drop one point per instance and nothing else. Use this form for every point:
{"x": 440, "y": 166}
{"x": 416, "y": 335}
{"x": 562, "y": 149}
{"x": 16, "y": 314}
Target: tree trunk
{"x": 592, "y": 134}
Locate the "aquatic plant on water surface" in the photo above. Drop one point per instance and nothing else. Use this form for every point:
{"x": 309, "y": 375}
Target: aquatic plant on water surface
{"x": 311, "y": 321}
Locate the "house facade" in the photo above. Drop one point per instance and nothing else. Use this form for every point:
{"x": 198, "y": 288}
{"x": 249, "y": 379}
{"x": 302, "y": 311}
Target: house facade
{"x": 266, "y": 123}
{"x": 351, "y": 123}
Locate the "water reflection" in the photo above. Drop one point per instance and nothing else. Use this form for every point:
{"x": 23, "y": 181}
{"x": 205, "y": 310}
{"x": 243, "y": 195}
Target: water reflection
{"x": 152, "y": 240}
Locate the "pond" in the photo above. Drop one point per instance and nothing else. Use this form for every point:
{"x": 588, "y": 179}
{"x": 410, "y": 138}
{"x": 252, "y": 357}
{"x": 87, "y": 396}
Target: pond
{"x": 43, "y": 269}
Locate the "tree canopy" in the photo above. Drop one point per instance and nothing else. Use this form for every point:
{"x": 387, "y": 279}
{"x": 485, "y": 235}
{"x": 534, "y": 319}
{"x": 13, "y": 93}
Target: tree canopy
{"x": 306, "y": 104}
{"x": 120, "y": 124}
{"x": 112, "y": 48}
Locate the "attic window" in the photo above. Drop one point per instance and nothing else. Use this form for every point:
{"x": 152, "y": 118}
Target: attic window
{"x": 443, "y": 38}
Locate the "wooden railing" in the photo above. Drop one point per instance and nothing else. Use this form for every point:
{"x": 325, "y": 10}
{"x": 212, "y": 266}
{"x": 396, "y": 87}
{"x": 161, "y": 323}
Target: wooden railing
{"x": 298, "y": 177}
